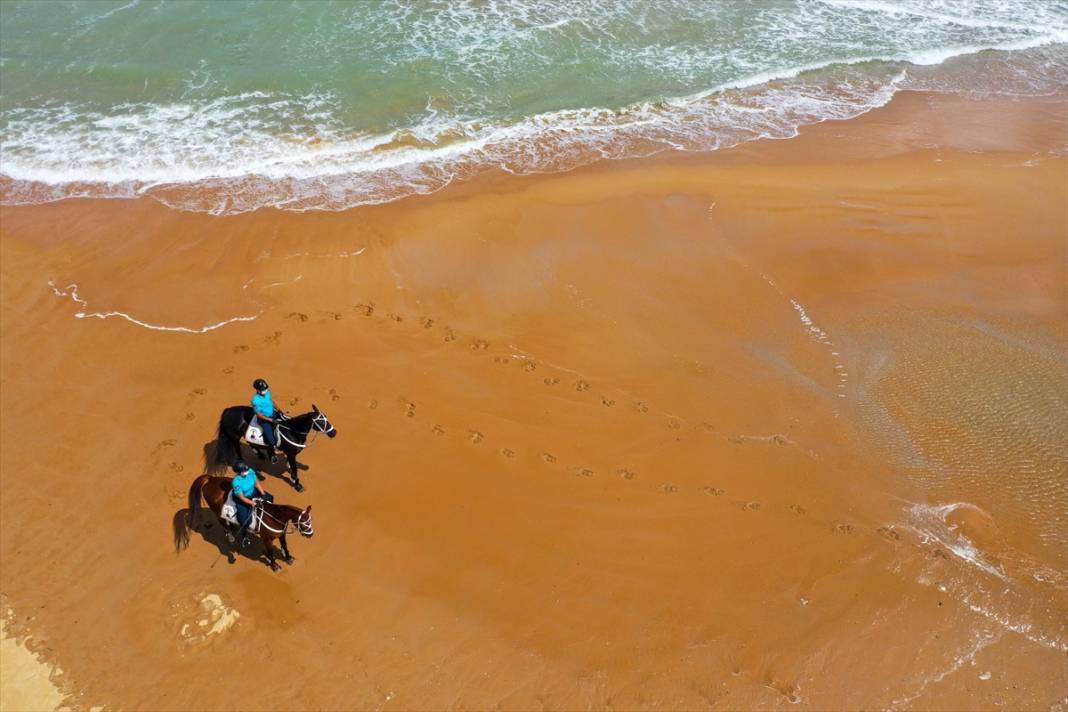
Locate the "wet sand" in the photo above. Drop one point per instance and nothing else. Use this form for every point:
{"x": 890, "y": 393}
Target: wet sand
{"x": 780, "y": 426}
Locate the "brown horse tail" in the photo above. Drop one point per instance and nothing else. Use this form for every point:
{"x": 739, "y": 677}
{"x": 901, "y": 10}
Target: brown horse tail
{"x": 192, "y": 520}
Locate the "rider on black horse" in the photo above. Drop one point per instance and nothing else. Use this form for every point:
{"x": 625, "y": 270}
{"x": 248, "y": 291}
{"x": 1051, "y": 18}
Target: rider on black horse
{"x": 245, "y": 486}
{"x": 267, "y": 413}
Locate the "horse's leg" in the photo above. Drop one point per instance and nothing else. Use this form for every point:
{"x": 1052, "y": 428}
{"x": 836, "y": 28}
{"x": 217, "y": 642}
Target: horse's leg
{"x": 268, "y": 544}
{"x": 285, "y": 550}
{"x": 291, "y": 456}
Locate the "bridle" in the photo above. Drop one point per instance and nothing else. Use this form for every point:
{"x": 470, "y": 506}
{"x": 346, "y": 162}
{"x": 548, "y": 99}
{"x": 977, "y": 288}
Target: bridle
{"x": 322, "y": 424}
{"x": 303, "y": 522}
{"x": 319, "y": 424}
{"x": 305, "y": 526}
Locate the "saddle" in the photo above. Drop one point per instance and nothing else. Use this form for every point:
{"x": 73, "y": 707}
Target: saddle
{"x": 229, "y": 513}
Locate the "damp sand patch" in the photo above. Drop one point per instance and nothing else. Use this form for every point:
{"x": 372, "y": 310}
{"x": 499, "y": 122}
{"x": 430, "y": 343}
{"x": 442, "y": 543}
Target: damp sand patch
{"x": 25, "y": 681}
{"x": 213, "y": 618}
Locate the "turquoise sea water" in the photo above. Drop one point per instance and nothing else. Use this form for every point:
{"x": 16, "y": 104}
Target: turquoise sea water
{"x": 231, "y": 106}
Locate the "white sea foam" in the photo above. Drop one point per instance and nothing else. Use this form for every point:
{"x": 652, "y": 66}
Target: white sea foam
{"x": 1004, "y": 594}
{"x": 979, "y": 642}
{"x": 97, "y": 18}
{"x": 930, "y": 12}
{"x": 816, "y": 333}
{"x": 931, "y": 523}
{"x": 71, "y": 290}
{"x": 218, "y": 157}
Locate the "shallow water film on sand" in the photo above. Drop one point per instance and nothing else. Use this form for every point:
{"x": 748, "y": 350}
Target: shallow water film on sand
{"x": 677, "y": 355}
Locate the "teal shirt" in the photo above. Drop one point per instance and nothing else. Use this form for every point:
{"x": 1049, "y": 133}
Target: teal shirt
{"x": 263, "y": 405}
{"x": 245, "y": 483}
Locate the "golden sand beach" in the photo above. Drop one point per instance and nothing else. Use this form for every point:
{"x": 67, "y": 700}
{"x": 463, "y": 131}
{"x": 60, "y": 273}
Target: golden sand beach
{"x": 782, "y": 426}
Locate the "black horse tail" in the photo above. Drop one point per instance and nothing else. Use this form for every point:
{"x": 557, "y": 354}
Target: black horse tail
{"x": 225, "y": 452}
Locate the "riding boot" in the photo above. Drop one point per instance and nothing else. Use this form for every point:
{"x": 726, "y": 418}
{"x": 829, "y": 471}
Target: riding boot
{"x": 242, "y": 536}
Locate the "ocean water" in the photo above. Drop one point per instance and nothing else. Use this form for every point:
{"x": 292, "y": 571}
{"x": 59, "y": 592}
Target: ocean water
{"x": 232, "y": 106}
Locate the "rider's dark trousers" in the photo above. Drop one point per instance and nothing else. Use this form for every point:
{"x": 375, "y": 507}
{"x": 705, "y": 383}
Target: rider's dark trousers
{"x": 269, "y": 436}
{"x": 244, "y": 511}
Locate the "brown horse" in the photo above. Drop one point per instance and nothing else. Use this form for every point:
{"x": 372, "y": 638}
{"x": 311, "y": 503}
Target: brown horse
{"x": 275, "y": 520}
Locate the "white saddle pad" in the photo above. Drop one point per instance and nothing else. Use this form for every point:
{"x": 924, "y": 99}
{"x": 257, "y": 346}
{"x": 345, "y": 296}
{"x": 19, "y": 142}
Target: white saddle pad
{"x": 229, "y": 514}
{"x": 254, "y": 434}
{"x": 229, "y": 509}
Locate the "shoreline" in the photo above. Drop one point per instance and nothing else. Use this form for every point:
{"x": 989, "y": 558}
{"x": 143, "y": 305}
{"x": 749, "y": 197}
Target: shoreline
{"x": 679, "y": 431}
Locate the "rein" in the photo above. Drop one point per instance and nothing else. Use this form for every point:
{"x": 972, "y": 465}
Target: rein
{"x": 318, "y": 424}
{"x": 287, "y": 524}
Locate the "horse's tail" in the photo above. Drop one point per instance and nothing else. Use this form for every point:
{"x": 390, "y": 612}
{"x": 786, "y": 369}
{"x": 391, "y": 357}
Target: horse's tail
{"x": 225, "y": 453}
{"x": 186, "y": 519}
{"x": 194, "y": 501}
{"x": 181, "y": 531}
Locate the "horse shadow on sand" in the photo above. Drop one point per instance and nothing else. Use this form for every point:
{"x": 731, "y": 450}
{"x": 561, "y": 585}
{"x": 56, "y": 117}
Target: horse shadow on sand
{"x": 213, "y": 531}
{"x": 215, "y": 464}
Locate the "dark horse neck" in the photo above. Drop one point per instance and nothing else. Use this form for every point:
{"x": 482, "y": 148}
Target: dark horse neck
{"x": 296, "y": 429}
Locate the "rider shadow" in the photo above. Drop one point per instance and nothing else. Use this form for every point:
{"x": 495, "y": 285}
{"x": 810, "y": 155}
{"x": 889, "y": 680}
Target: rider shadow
{"x": 212, "y": 531}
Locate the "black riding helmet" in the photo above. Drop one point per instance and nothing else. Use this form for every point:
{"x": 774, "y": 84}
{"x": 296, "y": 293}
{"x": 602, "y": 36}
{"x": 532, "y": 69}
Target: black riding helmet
{"x": 240, "y": 467}
{"x": 260, "y": 385}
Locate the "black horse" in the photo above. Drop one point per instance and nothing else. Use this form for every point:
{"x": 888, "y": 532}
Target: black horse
{"x": 292, "y": 436}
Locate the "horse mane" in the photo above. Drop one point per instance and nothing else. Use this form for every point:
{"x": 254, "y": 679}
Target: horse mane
{"x": 288, "y": 509}
{"x": 303, "y": 416}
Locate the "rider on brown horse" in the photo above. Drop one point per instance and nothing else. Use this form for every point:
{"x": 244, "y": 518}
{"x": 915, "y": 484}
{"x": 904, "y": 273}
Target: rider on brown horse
{"x": 245, "y": 486}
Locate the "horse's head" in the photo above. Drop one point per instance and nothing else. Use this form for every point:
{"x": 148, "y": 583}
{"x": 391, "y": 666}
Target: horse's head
{"x": 304, "y": 523}
{"x": 321, "y": 423}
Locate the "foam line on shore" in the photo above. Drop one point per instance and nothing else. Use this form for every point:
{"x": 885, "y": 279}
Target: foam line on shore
{"x": 288, "y": 281}
{"x": 71, "y": 290}
{"x": 332, "y": 167}
{"x": 816, "y": 333}
{"x": 343, "y": 253}
{"x": 981, "y": 641}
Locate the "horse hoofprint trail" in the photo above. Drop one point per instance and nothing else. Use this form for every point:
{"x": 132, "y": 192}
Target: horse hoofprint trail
{"x": 601, "y": 446}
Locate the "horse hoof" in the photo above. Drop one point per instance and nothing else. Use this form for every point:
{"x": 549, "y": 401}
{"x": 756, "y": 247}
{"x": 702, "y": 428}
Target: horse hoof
{"x": 298, "y": 487}
{"x": 275, "y": 567}
{"x": 289, "y": 560}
